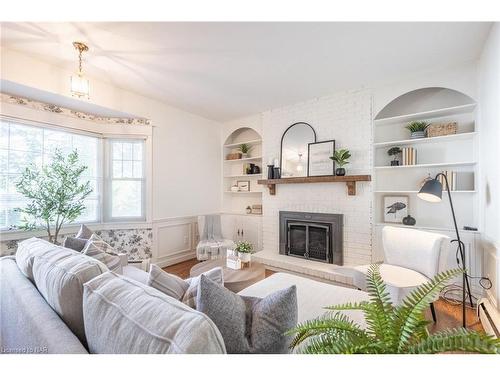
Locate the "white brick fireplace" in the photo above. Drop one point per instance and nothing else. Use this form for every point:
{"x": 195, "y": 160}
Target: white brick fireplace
{"x": 345, "y": 117}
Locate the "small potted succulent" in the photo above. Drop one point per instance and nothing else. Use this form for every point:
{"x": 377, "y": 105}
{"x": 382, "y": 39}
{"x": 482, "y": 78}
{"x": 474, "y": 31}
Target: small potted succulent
{"x": 244, "y": 148}
{"x": 394, "y": 151}
{"x": 340, "y": 158}
{"x": 417, "y": 129}
{"x": 244, "y": 250}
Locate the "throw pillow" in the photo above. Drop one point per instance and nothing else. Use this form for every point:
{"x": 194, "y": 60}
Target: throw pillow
{"x": 182, "y": 290}
{"x": 111, "y": 261}
{"x": 74, "y": 243}
{"x": 84, "y": 233}
{"x": 249, "y": 324}
{"x": 101, "y": 244}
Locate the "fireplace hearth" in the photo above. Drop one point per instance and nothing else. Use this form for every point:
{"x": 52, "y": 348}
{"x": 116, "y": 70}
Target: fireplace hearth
{"x": 312, "y": 236}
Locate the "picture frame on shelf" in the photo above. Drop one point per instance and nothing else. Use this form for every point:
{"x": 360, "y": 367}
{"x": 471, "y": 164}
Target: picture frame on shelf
{"x": 318, "y": 160}
{"x": 395, "y": 208}
{"x": 243, "y": 185}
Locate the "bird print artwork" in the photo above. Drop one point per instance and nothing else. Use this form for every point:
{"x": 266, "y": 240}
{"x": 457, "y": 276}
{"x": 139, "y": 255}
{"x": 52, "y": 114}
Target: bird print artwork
{"x": 395, "y": 207}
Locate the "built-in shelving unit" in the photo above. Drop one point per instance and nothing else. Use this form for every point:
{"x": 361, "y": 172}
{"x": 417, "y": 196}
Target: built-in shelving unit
{"x": 236, "y": 202}
{"x": 454, "y": 152}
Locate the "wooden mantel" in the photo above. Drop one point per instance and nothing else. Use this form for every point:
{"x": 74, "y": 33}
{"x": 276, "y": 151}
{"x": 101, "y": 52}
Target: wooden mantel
{"x": 350, "y": 181}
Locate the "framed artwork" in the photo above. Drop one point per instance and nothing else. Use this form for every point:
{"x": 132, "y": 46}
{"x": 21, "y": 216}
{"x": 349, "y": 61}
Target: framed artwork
{"x": 395, "y": 208}
{"x": 243, "y": 185}
{"x": 319, "y": 162}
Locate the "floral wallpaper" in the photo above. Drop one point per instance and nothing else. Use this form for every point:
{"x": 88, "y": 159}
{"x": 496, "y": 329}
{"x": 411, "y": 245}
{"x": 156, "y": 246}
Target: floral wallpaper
{"x": 137, "y": 243}
{"x": 69, "y": 112}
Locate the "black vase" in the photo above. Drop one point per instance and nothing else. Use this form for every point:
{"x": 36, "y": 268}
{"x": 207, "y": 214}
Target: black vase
{"x": 394, "y": 163}
{"x": 340, "y": 172}
{"x": 409, "y": 220}
{"x": 277, "y": 172}
{"x": 270, "y": 172}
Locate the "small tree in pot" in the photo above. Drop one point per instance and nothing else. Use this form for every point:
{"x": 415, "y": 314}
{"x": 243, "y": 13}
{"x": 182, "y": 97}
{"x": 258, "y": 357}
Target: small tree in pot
{"x": 340, "y": 158}
{"x": 55, "y": 194}
{"x": 394, "y": 151}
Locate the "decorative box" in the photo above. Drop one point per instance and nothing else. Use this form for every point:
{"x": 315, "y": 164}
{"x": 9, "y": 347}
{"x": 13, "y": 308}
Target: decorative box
{"x": 233, "y": 262}
{"x": 440, "y": 129}
{"x": 233, "y": 156}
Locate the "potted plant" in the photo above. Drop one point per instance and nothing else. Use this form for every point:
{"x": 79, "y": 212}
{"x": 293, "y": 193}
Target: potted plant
{"x": 244, "y": 148}
{"x": 55, "y": 194}
{"x": 417, "y": 129}
{"x": 244, "y": 250}
{"x": 394, "y": 151}
{"x": 390, "y": 329}
{"x": 340, "y": 158}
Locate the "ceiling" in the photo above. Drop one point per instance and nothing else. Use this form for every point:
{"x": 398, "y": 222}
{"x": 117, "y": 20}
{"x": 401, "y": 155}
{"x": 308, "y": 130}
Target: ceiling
{"x": 224, "y": 71}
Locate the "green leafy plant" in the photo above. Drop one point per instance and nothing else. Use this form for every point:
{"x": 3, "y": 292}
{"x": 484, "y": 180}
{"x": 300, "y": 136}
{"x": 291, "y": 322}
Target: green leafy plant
{"x": 394, "y": 151}
{"x": 417, "y": 126}
{"x": 389, "y": 329}
{"x": 244, "y": 247}
{"x": 244, "y": 148}
{"x": 340, "y": 157}
{"x": 54, "y": 192}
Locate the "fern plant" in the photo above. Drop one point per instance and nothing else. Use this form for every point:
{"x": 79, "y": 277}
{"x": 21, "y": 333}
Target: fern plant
{"x": 389, "y": 329}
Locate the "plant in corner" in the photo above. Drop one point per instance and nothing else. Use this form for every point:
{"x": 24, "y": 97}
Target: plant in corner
{"x": 340, "y": 158}
{"x": 417, "y": 129}
{"x": 54, "y": 192}
{"x": 394, "y": 151}
{"x": 244, "y": 148}
{"x": 244, "y": 250}
{"x": 389, "y": 329}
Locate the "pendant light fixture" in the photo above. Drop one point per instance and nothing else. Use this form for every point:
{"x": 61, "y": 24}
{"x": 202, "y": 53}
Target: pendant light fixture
{"x": 79, "y": 84}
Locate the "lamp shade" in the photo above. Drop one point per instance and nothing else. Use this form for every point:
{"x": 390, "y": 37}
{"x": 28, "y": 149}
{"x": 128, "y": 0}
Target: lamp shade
{"x": 431, "y": 191}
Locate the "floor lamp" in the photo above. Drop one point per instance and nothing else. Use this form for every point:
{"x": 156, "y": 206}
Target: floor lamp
{"x": 432, "y": 192}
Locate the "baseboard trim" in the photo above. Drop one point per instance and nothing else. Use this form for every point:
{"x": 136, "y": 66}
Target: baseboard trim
{"x": 175, "y": 259}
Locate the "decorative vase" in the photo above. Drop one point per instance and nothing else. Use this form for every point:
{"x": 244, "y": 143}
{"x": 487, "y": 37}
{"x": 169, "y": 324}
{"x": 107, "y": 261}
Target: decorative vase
{"x": 276, "y": 172}
{"x": 245, "y": 257}
{"x": 255, "y": 169}
{"x": 409, "y": 220}
{"x": 394, "y": 163}
{"x": 244, "y": 156}
{"x": 340, "y": 172}
{"x": 270, "y": 172}
{"x": 419, "y": 134}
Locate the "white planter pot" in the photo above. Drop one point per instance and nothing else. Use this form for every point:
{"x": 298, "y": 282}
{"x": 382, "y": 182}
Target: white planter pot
{"x": 245, "y": 257}
{"x": 419, "y": 134}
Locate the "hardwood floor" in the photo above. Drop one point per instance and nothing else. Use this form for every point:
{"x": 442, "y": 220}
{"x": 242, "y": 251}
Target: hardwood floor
{"x": 449, "y": 315}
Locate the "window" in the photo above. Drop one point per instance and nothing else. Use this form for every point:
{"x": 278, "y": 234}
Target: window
{"x": 119, "y": 197}
{"x": 21, "y": 145}
{"x": 126, "y": 183}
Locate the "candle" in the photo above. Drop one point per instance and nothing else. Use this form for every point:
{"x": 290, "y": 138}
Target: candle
{"x": 276, "y": 163}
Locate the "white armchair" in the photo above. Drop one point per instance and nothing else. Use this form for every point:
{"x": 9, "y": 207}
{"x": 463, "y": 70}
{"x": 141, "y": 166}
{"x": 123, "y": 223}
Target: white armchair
{"x": 212, "y": 245}
{"x": 412, "y": 257}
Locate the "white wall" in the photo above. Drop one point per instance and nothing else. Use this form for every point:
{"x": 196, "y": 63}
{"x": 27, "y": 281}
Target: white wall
{"x": 489, "y": 127}
{"x": 186, "y": 147}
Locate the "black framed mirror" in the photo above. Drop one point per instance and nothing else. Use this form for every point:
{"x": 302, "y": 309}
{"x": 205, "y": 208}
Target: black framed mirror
{"x": 294, "y": 149}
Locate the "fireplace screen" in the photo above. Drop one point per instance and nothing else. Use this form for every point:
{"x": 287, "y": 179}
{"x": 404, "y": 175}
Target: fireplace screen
{"x": 308, "y": 240}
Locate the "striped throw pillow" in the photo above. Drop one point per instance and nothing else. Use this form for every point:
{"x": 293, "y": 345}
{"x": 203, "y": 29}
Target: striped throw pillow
{"x": 113, "y": 262}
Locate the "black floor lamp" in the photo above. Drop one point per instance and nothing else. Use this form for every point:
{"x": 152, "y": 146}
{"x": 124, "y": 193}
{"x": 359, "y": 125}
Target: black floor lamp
{"x": 432, "y": 192}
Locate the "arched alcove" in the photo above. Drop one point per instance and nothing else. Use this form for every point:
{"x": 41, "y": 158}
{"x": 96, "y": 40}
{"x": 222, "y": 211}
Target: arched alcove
{"x": 424, "y": 100}
{"x": 242, "y": 135}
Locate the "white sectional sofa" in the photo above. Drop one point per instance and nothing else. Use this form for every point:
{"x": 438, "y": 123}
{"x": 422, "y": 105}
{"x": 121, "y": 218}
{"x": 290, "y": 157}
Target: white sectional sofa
{"x": 36, "y": 321}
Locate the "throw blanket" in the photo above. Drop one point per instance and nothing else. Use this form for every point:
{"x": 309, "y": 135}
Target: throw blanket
{"x": 211, "y": 245}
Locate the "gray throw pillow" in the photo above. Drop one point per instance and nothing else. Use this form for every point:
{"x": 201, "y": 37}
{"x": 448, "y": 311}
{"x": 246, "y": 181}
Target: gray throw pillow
{"x": 74, "y": 243}
{"x": 84, "y": 233}
{"x": 250, "y": 324}
{"x": 182, "y": 290}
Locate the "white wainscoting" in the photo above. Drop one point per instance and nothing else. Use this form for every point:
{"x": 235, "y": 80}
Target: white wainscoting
{"x": 175, "y": 240}
{"x": 491, "y": 267}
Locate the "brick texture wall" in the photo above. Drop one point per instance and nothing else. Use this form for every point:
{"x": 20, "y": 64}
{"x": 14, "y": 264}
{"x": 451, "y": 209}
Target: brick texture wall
{"x": 345, "y": 117}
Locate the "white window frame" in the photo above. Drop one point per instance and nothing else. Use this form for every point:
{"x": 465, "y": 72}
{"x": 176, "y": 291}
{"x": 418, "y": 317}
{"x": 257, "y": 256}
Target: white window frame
{"x": 108, "y": 181}
{"x": 30, "y": 117}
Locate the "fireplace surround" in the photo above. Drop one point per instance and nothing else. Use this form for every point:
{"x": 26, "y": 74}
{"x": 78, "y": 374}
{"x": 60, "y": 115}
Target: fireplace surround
{"x": 312, "y": 236}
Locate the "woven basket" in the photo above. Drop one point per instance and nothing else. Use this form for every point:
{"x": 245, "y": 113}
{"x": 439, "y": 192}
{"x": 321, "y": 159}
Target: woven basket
{"x": 234, "y": 156}
{"x": 440, "y": 129}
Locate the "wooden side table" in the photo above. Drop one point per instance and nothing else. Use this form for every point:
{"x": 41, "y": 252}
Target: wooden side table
{"x": 234, "y": 280}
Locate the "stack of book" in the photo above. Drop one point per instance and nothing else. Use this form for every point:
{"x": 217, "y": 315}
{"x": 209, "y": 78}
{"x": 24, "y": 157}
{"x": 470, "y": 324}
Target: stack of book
{"x": 408, "y": 156}
{"x": 452, "y": 179}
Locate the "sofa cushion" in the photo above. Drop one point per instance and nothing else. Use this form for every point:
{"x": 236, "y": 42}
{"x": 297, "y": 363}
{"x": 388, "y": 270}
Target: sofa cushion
{"x": 84, "y": 232}
{"x": 113, "y": 262}
{"x": 59, "y": 277}
{"x": 250, "y": 324}
{"x": 181, "y": 290}
{"x": 26, "y": 252}
{"x": 124, "y": 316}
{"x": 74, "y": 243}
